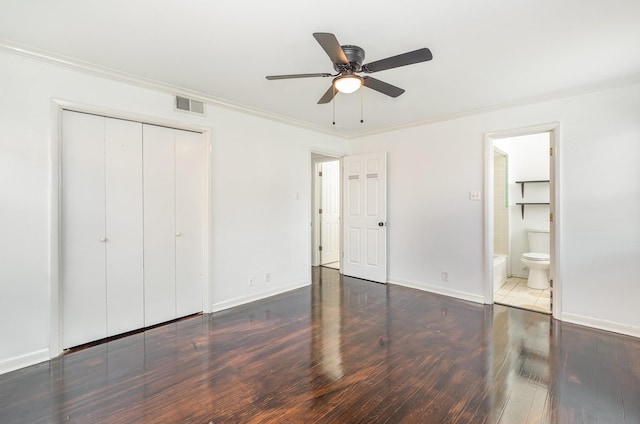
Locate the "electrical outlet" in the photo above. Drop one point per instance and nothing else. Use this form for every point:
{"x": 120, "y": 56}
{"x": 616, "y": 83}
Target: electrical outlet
{"x": 445, "y": 276}
{"x": 251, "y": 281}
{"x": 474, "y": 195}
{"x": 267, "y": 277}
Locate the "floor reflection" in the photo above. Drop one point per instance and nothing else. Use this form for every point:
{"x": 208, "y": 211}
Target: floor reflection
{"x": 520, "y": 362}
{"x": 326, "y": 310}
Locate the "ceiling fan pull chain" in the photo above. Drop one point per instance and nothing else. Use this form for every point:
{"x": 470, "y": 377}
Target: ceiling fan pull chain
{"x": 334, "y": 104}
{"x": 361, "y": 107}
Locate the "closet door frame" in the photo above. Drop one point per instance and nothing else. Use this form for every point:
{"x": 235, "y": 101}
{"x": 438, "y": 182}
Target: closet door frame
{"x": 56, "y": 108}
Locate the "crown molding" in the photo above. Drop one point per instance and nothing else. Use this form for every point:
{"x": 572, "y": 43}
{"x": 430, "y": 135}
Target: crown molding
{"x": 557, "y": 95}
{"x": 115, "y": 75}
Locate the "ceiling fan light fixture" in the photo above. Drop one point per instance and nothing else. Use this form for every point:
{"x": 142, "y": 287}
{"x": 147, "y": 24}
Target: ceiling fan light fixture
{"x": 347, "y": 83}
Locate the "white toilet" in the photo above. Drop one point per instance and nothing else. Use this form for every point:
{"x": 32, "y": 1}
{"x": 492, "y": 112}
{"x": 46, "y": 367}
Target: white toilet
{"x": 537, "y": 258}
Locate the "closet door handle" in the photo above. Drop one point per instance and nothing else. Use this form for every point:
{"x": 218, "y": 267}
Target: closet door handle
{"x": 178, "y": 234}
{"x": 102, "y": 239}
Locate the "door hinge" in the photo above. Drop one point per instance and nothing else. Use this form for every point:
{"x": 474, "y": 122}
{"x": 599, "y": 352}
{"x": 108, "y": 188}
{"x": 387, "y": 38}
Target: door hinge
{"x": 320, "y": 248}
{"x": 551, "y": 217}
{"x": 550, "y": 151}
{"x": 320, "y": 211}
{"x": 320, "y": 174}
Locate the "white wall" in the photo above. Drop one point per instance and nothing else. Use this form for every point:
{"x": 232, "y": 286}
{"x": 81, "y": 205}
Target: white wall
{"x": 434, "y": 227}
{"x": 260, "y": 192}
{"x": 432, "y": 224}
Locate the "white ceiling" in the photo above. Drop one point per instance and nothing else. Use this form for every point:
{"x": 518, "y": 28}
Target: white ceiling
{"x": 487, "y": 53}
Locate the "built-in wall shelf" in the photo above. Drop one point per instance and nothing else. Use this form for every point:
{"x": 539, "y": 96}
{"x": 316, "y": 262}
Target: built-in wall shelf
{"x": 523, "y": 204}
{"x": 522, "y": 183}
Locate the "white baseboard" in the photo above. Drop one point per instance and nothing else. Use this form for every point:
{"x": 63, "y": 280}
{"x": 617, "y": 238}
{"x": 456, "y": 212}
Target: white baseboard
{"x": 601, "y": 324}
{"x": 237, "y": 301}
{"x": 17, "y": 362}
{"x": 476, "y": 298}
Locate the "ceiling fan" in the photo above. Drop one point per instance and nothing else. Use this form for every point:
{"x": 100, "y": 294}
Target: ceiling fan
{"x": 347, "y": 61}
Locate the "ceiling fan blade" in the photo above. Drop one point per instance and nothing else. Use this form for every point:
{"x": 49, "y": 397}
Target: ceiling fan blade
{"x": 409, "y": 58}
{"x": 278, "y": 77}
{"x": 382, "y": 87}
{"x": 327, "y": 96}
{"x": 330, "y": 44}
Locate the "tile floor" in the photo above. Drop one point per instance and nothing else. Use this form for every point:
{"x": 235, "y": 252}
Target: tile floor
{"x": 515, "y": 292}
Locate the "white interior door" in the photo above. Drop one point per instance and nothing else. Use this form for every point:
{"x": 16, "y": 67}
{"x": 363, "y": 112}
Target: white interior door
{"x": 190, "y": 166}
{"x": 365, "y": 215}
{"x": 124, "y": 249}
{"x": 330, "y": 216}
{"x": 83, "y": 229}
{"x": 159, "y": 225}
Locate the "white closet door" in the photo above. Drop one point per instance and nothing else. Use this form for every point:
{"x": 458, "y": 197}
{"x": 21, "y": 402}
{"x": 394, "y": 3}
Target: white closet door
{"x": 83, "y": 229}
{"x": 159, "y": 224}
{"x": 190, "y": 181}
{"x": 124, "y": 254}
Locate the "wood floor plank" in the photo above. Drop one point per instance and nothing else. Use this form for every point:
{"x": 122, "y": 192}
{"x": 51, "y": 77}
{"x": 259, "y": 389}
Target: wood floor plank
{"x": 340, "y": 351}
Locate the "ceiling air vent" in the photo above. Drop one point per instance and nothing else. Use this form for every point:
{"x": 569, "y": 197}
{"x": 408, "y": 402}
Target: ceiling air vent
{"x": 189, "y": 105}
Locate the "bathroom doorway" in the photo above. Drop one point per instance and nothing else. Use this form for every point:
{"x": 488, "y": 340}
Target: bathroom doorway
{"x": 519, "y": 226}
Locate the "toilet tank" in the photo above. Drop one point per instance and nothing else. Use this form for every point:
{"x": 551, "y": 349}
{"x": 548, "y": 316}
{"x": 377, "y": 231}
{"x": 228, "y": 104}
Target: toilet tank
{"x": 539, "y": 240}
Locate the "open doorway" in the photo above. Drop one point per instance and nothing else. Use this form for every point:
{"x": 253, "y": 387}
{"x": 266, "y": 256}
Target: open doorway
{"x": 326, "y": 211}
{"x": 520, "y": 227}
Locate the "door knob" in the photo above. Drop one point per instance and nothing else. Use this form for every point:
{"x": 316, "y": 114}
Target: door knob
{"x": 178, "y": 234}
{"x": 102, "y": 239}
{"x": 380, "y": 224}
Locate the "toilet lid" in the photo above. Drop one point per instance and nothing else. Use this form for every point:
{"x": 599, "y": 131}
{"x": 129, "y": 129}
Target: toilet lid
{"x": 535, "y": 256}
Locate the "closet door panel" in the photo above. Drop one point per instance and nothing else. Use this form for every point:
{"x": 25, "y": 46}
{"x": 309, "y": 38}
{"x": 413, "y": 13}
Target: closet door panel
{"x": 83, "y": 229}
{"x": 159, "y": 225}
{"x": 124, "y": 247}
{"x": 190, "y": 190}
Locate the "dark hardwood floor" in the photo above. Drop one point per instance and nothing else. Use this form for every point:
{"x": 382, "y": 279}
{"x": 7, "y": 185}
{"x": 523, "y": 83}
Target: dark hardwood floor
{"x": 341, "y": 351}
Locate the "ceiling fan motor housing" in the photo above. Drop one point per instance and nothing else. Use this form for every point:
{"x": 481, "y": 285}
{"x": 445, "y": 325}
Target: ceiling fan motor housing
{"x": 355, "y": 56}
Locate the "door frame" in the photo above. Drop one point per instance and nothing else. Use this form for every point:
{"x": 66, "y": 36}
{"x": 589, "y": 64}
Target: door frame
{"x": 56, "y": 108}
{"x": 318, "y": 157}
{"x": 554, "y": 130}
